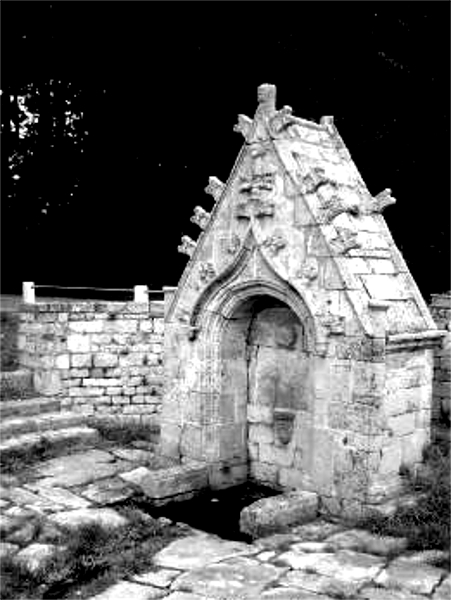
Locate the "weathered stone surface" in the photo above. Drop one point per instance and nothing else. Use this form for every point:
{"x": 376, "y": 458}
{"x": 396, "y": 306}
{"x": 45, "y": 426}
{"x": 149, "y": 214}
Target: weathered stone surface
{"x": 126, "y": 590}
{"x": 108, "y": 491}
{"x": 319, "y": 584}
{"x": 345, "y": 566}
{"x": 415, "y": 578}
{"x": 8, "y": 524}
{"x": 35, "y": 556}
{"x": 428, "y": 557}
{"x": 168, "y": 482}
{"x": 278, "y": 512}
{"x": 184, "y": 596}
{"x": 197, "y": 551}
{"x": 7, "y": 549}
{"x": 277, "y": 541}
{"x": 133, "y": 455}
{"x": 380, "y": 593}
{"x": 105, "y": 517}
{"x": 316, "y": 531}
{"x": 79, "y": 469}
{"x": 289, "y": 593}
{"x": 24, "y": 534}
{"x": 160, "y": 579}
{"x": 443, "y": 592}
{"x": 364, "y": 541}
{"x": 238, "y": 578}
{"x": 60, "y": 496}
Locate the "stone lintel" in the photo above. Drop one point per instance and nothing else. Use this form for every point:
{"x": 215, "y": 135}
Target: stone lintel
{"x": 415, "y": 341}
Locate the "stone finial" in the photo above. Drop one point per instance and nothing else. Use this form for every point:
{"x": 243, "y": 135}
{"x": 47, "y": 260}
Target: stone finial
{"x": 267, "y": 97}
{"x": 215, "y": 188}
{"x": 187, "y": 246}
{"x": 328, "y": 124}
{"x": 244, "y": 126}
{"x": 200, "y": 217}
{"x": 381, "y": 201}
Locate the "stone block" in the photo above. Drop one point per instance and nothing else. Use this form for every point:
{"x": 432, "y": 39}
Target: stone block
{"x": 261, "y": 434}
{"x": 257, "y": 413}
{"x": 105, "y": 359}
{"x": 295, "y": 479}
{"x": 86, "y": 326}
{"x": 403, "y": 424}
{"x": 264, "y": 472}
{"x": 77, "y": 342}
{"x": 168, "y": 482}
{"x": 277, "y": 513}
{"x": 62, "y": 361}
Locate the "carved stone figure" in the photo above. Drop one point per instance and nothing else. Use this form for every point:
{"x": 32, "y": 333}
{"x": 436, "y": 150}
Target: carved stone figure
{"x": 275, "y": 242}
{"x": 187, "y": 246}
{"x": 214, "y": 188}
{"x": 200, "y": 217}
{"x": 381, "y": 201}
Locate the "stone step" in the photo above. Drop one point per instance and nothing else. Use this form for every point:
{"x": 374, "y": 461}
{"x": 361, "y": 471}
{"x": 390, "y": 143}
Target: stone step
{"x": 31, "y": 406}
{"x": 14, "y": 426}
{"x": 61, "y": 439}
{"x": 16, "y": 384}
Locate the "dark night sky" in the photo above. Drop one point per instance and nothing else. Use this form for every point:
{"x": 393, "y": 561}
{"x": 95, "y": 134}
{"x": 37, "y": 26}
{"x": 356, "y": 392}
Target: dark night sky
{"x": 161, "y": 86}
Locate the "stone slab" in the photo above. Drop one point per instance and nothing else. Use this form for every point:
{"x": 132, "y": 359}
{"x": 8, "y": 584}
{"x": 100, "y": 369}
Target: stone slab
{"x": 197, "y": 551}
{"x": 105, "y": 517}
{"x": 126, "y": 590}
{"x": 415, "y": 578}
{"x": 443, "y": 591}
{"x": 276, "y": 513}
{"x": 380, "y": 593}
{"x": 319, "y": 584}
{"x": 361, "y": 540}
{"x": 61, "y": 496}
{"x": 7, "y": 549}
{"x": 237, "y": 578}
{"x": 133, "y": 455}
{"x": 165, "y": 483}
{"x": 160, "y": 579}
{"x": 35, "y": 556}
{"x": 184, "y": 596}
{"x": 290, "y": 593}
{"x": 107, "y": 491}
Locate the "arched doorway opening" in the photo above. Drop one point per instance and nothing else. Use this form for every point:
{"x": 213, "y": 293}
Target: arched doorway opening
{"x": 264, "y": 387}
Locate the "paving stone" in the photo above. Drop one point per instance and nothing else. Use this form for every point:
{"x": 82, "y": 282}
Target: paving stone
{"x": 345, "y": 566}
{"x": 50, "y": 533}
{"x": 276, "y": 513}
{"x": 19, "y": 512}
{"x": 311, "y": 547}
{"x": 429, "y": 557}
{"x": 22, "y": 496}
{"x": 266, "y": 556}
{"x": 234, "y": 578}
{"x": 7, "y": 549}
{"x": 44, "y": 507}
{"x": 277, "y": 541}
{"x": 184, "y": 596}
{"x": 35, "y": 556}
{"x": 316, "y": 531}
{"x": 24, "y": 534}
{"x": 126, "y": 590}
{"x": 197, "y": 551}
{"x": 319, "y": 584}
{"x": 8, "y": 524}
{"x": 4, "y": 503}
{"x": 290, "y": 593}
{"x": 364, "y": 541}
{"x": 443, "y": 591}
{"x": 161, "y": 579}
{"x": 105, "y": 517}
{"x": 81, "y": 473}
{"x": 60, "y": 496}
{"x": 413, "y": 577}
{"x": 133, "y": 455}
{"x": 380, "y": 593}
{"x": 108, "y": 491}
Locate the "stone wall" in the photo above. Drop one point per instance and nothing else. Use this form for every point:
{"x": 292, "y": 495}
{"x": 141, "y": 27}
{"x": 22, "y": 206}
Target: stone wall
{"x": 440, "y": 307}
{"x": 101, "y": 358}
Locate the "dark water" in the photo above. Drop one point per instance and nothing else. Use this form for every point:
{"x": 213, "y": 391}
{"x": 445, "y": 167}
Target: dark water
{"x": 216, "y": 512}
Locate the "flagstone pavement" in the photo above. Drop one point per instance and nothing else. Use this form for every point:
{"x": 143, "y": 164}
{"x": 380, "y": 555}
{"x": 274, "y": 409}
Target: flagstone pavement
{"x": 315, "y": 561}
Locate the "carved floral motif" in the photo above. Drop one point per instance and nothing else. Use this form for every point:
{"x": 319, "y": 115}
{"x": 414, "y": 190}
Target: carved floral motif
{"x": 200, "y": 217}
{"x": 332, "y": 322}
{"x": 233, "y": 244}
{"x": 206, "y": 272}
{"x": 187, "y": 246}
{"x": 244, "y": 126}
{"x": 275, "y": 242}
{"x": 335, "y": 206}
{"x": 309, "y": 269}
{"x": 254, "y": 190}
{"x": 346, "y": 240}
{"x": 215, "y": 187}
{"x": 381, "y": 201}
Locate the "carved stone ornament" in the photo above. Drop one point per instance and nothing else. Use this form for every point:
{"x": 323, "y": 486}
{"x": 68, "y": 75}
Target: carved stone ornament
{"x": 254, "y": 191}
{"x": 346, "y": 240}
{"x": 335, "y": 206}
{"x": 275, "y": 242}
{"x": 244, "y": 126}
{"x": 200, "y": 217}
{"x": 206, "y": 272}
{"x": 309, "y": 269}
{"x": 329, "y": 126}
{"x": 187, "y": 246}
{"x": 315, "y": 179}
{"x": 333, "y": 323}
{"x": 266, "y": 94}
{"x": 284, "y": 424}
{"x": 233, "y": 244}
{"x": 215, "y": 187}
{"x": 381, "y": 201}
{"x": 183, "y": 315}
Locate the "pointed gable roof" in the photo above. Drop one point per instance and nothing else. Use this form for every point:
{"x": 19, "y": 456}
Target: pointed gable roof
{"x": 295, "y": 191}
